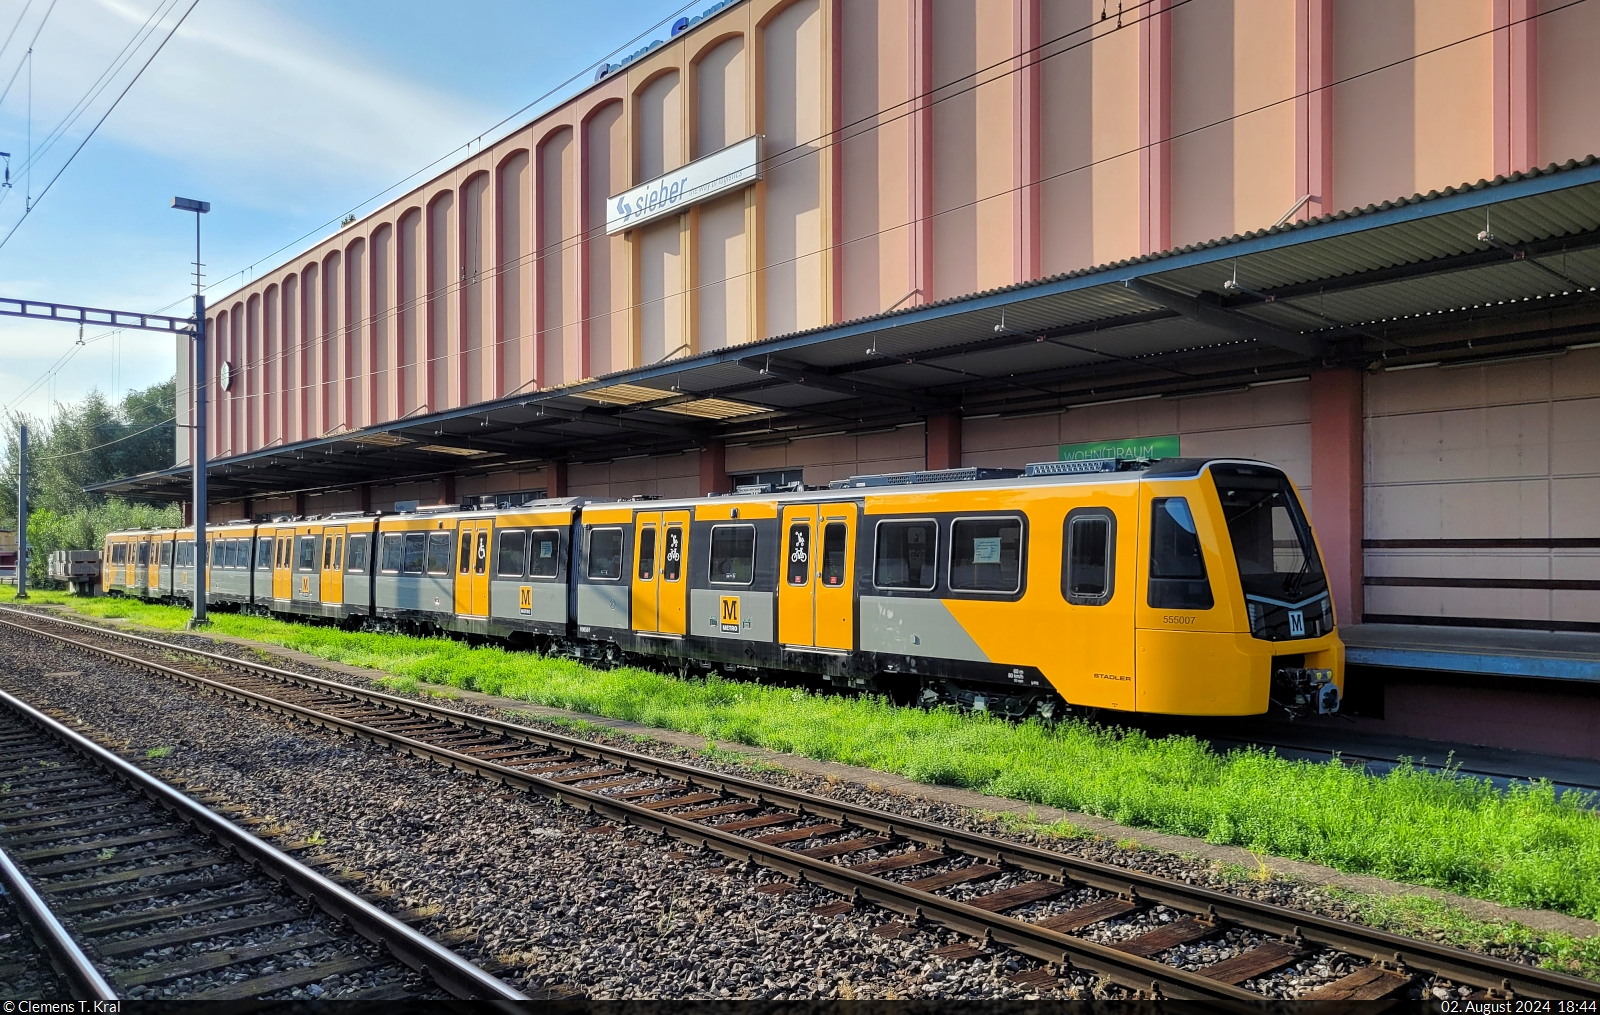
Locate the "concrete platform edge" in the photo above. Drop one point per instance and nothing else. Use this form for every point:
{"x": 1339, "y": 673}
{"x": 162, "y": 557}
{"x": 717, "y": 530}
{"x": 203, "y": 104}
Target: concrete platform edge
{"x": 1298, "y": 870}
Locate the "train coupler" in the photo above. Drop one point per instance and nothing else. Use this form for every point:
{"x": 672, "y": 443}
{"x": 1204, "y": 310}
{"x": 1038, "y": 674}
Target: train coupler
{"x": 1302, "y": 690}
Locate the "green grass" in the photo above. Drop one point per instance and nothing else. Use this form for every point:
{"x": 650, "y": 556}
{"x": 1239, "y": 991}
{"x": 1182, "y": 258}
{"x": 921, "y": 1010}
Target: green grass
{"x": 1419, "y": 916}
{"x": 1520, "y": 847}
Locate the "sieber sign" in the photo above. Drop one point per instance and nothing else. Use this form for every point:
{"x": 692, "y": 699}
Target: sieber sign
{"x": 736, "y": 166}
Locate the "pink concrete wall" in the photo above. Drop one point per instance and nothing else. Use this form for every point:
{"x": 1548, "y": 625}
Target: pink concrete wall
{"x": 825, "y": 459}
{"x": 918, "y": 149}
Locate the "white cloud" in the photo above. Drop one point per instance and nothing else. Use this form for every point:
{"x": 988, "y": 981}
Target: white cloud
{"x": 240, "y": 88}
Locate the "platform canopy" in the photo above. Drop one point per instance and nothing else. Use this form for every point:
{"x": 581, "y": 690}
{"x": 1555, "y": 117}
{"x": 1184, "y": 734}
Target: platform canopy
{"x": 1499, "y": 269}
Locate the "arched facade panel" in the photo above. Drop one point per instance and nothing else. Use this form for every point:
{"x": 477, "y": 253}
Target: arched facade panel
{"x": 659, "y": 113}
{"x": 607, "y": 275}
{"x": 440, "y": 364}
{"x": 560, "y": 358}
{"x": 793, "y": 70}
{"x": 382, "y": 325}
{"x": 477, "y": 289}
{"x": 721, "y": 117}
{"x": 357, "y": 337}
{"x": 514, "y": 273}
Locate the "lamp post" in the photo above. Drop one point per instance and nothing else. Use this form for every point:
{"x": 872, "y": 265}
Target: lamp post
{"x": 199, "y": 381}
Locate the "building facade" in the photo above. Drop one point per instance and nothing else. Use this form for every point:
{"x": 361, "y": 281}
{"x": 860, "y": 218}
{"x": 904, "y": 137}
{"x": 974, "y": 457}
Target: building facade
{"x": 914, "y": 154}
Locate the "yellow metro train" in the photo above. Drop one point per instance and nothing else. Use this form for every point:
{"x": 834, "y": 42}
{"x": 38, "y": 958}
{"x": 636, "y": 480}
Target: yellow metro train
{"x": 1184, "y": 586}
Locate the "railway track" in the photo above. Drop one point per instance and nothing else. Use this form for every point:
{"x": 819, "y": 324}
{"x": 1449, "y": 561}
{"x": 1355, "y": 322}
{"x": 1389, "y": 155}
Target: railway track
{"x": 126, "y": 883}
{"x": 1060, "y": 910}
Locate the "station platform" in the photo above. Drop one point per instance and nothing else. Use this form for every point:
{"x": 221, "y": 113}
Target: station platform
{"x": 1541, "y": 655}
{"x": 1362, "y": 743}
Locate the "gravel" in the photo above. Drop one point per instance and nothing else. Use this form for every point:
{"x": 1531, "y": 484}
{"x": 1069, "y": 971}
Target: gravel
{"x": 899, "y": 967}
{"x": 560, "y": 900}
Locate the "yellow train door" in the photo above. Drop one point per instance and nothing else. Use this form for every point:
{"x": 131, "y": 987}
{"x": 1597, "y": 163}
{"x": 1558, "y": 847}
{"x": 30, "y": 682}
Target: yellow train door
{"x": 283, "y": 565}
{"x": 646, "y": 570}
{"x": 835, "y": 572}
{"x": 816, "y": 585}
{"x": 472, "y": 568}
{"x": 672, "y": 591}
{"x": 798, "y": 574}
{"x": 333, "y": 565}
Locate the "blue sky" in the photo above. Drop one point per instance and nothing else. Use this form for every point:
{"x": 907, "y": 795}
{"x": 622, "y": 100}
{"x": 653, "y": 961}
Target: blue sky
{"x": 282, "y": 114}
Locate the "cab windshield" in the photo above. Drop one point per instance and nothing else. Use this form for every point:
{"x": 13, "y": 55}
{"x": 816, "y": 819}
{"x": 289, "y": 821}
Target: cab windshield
{"x": 1271, "y": 539}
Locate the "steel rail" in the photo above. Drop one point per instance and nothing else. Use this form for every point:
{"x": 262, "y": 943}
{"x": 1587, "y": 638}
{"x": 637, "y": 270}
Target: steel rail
{"x": 83, "y": 979}
{"x": 1486, "y": 972}
{"x": 447, "y": 969}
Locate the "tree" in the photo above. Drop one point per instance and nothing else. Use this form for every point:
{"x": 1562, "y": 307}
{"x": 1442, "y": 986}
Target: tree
{"x": 85, "y": 443}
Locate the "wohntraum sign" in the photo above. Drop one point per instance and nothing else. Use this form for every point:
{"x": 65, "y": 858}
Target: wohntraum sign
{"x": 736, "y": 166}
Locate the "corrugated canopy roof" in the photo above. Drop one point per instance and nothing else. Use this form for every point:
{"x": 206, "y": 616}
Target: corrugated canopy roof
{"x": 1511, "y": 263}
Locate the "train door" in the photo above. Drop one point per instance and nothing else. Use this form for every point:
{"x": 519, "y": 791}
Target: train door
{"x": 333, "y": 565}
{"x": 283, "y": 564}
{"x": 472, "y": 568}
{"x": 647, "y": 571}
{"x": 816, "y": 593}
{"x": 141, "y": 570}
{"x": 797, "y": 587}
{"x": 672, "y": 589}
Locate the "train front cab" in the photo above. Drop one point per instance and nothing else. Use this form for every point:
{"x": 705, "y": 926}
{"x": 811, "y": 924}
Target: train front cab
{"x": 116, "y": 574}
{"x": 1234, "y": 614}
{"x": 131, "y": 563}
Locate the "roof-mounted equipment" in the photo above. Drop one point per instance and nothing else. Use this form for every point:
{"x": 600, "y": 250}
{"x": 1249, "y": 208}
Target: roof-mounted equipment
{"x": 1083, "y": 466}
{"x": 967, "y": 475}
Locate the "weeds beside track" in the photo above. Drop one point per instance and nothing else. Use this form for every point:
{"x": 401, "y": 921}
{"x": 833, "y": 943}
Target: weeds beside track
{"x": 1521, "y": 847}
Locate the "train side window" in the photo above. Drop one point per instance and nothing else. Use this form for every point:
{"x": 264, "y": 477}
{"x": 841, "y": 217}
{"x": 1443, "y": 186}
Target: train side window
{"x": 1177, "y": 568}
{"x": 799, "y": 555}
{"x": 835, "y": 536}
{"x": 166, "y": 553}
{"x": 438, "y": 553}
{"x": 225, "y": 553}
{"x": 906, "y": 556}
{"x": 482, "y": 563}
{"x": 264, "y": 554}
{"x": 144, "y": 553}
{"x": 416, "y": 551}
{"x": 605, "y": 554}
{"x": 119, "y": 553}
{"x": 733, "y": 554}
{"x": 647, "y": 553}
{"x": 393, "y": 554}
{"x": 308, "y": 554}
{"x": 544, "y": 553}
{"x": 672, "y": 554}
{"x": 1088, "y": 556}
{"x": 338, "y": 553}
{"x": 511, "y": 553}
{"x": 466, "y": 550}
{"x": 986, "y": 555}
{"x": 356, "y": 560}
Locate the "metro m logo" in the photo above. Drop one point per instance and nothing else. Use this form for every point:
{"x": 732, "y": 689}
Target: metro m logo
{"x": 730, "y": 614}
